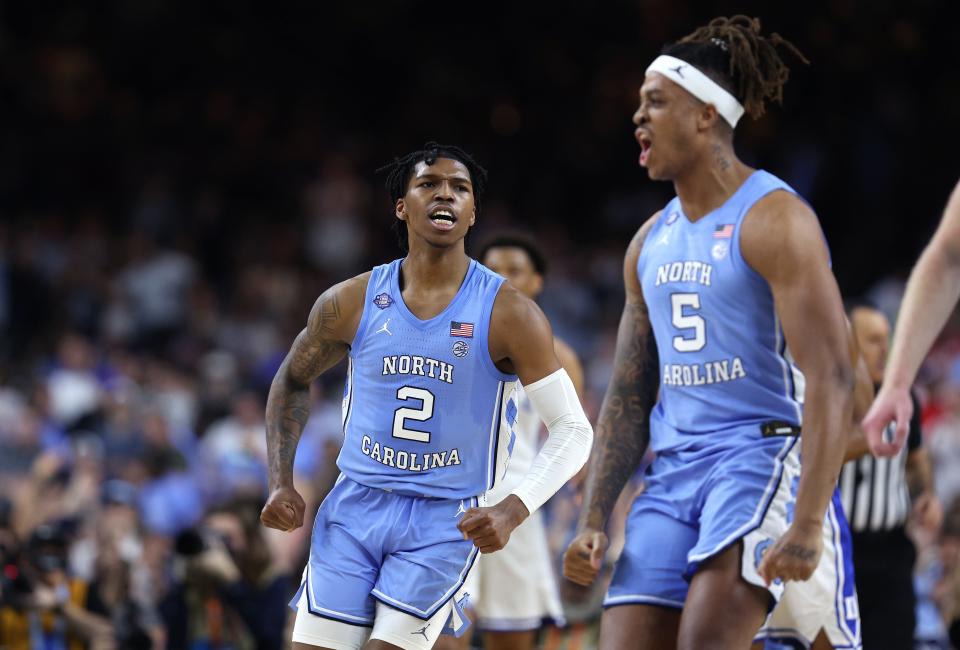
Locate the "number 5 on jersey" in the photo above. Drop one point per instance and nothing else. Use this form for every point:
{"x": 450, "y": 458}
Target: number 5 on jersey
{"x": 404, "y": 413}
{"x": 684, "y": 321}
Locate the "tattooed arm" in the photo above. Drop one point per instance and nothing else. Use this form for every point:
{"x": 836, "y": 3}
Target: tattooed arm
{"x": 623, "y": 429}
{"x": 332, "y": 324}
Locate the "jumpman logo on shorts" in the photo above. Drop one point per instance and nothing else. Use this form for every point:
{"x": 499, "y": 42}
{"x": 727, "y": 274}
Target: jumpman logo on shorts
{"x": 383, "y": 328}
{"x": 423, "y": 631}
{"x": 462, "y": 510}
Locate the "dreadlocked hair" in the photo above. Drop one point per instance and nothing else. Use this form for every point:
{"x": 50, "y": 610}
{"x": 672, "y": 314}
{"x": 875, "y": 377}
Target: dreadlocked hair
{"x": 402, "y": 168}
{"x": 736, "y": 55}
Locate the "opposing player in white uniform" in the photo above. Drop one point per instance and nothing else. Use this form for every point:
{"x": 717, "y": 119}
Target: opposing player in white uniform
{"x": 516, "y": 588}
{"x": 823, "y": 612}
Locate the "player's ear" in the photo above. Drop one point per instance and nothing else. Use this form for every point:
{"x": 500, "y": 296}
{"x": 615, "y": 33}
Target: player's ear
{"x": 537, "y": 283}
{"x": 707, "y": 117}
{"x": 400, "y": 210}
{"x": 473, "y": 217}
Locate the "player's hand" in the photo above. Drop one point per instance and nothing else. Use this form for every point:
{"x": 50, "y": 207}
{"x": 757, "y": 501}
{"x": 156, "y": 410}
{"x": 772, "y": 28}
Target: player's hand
{"x": 490, "y": 528}
{"x": 284, "y": 509}
{"x": 893, "y": 404}
{"x": 928, "y": 512}
{"x": 584, "y": 557}
{"x": 795, "y": 555}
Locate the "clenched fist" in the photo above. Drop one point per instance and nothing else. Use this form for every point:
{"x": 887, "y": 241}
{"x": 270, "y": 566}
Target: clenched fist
{"x": 794, "y": 556}
{"x": 490, "y": 528}
{"x": 584, "y": 557}
{"x": 284, "y": 509}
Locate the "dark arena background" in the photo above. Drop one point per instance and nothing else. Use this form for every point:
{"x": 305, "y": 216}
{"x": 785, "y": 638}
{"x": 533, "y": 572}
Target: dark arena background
{"x": 179, "y": 181}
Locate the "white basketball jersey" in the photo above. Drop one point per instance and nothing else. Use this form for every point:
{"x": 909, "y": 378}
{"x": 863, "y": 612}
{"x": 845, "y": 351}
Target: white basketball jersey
{"x": 525, "y": 447}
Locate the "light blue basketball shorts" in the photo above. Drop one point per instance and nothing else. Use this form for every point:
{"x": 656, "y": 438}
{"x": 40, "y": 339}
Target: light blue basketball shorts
{"x": 696, "y": 505}
{"x": 371, "y": 545}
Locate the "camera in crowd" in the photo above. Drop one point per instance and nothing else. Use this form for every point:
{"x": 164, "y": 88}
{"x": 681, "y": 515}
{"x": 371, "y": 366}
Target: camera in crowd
{"x": 22, "y": 567}
{"x": 192, "y": 542}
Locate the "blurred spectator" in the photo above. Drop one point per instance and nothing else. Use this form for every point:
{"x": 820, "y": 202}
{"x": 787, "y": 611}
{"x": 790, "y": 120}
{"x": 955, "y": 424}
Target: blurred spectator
{"x": 333, "y": 203}
{"x": 73, "y": 386}
{"x": 42, "y": 606}
{"x": 228, "y": 593}
{"x": 233, "y": 451}
{"x": 170, "y": 498}
{"x": 154, "y": 288}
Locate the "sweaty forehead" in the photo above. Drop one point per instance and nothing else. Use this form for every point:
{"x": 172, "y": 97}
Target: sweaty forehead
{"x": 443, "y": 168}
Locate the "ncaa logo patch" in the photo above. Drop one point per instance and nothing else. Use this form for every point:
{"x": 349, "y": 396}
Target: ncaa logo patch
{"x": 720, "y": 250}
{"x": 460, "y": 349}
{"x": 383, "y": 300}
{"x": 673, "y": 217}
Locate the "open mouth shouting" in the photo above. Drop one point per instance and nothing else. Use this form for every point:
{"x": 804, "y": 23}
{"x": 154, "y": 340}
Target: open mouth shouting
{"x": 645, "y": 145}
{"x": 443, "y": 218}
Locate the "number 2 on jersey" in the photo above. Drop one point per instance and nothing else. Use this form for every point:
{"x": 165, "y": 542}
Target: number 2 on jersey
{"x": 684, "y": 321}
{"x": 404, "y": 413}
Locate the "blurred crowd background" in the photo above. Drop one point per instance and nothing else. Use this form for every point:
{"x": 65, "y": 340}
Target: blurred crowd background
{"x": 180, "y": 180}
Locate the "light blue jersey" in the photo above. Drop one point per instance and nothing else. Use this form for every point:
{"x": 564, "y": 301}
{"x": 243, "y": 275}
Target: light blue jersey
{"x": 426, "y": 412}
{"x": 722, "y": 356}
{"x": 726, "y": 425}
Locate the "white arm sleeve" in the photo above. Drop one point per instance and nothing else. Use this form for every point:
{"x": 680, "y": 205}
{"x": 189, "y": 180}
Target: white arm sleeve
{"x": 567, "y": 447}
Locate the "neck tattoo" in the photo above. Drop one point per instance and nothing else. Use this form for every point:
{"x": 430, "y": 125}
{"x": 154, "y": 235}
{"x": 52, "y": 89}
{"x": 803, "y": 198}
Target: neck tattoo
{"x": 720, "y": 158}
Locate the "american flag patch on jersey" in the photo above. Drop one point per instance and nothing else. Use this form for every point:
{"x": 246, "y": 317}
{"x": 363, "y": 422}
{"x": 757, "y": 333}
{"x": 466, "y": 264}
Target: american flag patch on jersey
{"x": 723, "y": 232}
{"x": 461, "y": 329}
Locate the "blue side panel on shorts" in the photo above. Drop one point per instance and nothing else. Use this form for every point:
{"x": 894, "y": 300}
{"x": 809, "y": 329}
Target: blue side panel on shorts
{"x": 846, "y": 608}
{"x": 372, "y": 545}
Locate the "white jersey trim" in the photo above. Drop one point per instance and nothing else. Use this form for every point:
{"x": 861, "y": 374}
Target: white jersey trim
{"x": 640, "y": 599}
{"x": 789, "y": 385}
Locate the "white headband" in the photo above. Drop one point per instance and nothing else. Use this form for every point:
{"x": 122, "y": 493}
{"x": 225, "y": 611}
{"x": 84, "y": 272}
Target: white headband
{"x": 699, "y": 85}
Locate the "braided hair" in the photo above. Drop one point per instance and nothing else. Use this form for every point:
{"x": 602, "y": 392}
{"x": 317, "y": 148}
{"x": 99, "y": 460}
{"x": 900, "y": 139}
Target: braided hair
{"x": 401, "y": 169}
{"x": 734, "y": 53}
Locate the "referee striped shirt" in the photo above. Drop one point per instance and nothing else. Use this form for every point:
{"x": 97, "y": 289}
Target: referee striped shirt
{"x": 875, "y": 494}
